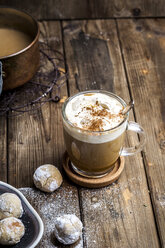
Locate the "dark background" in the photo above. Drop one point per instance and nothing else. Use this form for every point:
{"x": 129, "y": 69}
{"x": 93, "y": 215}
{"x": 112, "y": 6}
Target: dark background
{"x": 88, "y": 9}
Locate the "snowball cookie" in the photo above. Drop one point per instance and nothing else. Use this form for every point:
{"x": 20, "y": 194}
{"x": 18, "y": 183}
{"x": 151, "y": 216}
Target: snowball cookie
{"x": 47, "y": 178}
{"x": 68, "y": 229}
{"x": 10, "y": 205}
{"x": 11, "y": 231}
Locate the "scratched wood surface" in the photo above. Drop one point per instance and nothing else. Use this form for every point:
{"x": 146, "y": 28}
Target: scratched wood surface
{"x": 125, "y": 56}
{"x": 36, "y": 139}
{"x": 3, "y": 147}
{"x": 143, "y": 44}
{"x": 76, "y": 9}
{"x": 113, "y": 216}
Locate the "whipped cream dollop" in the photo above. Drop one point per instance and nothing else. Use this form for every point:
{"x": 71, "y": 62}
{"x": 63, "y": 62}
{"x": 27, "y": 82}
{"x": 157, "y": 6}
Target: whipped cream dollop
{"x": 94, "y": 111}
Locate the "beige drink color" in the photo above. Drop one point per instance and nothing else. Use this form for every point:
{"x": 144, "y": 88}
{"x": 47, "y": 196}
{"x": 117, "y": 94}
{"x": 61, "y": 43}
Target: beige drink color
{"x": 12, "y": 41}
{"x": 94, "y": 132}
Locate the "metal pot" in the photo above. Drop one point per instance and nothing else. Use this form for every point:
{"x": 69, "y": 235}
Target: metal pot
{"x": 19, "y": 67}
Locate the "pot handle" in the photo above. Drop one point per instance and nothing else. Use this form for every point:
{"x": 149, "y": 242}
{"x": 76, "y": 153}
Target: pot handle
{"x": 1, "y": 79}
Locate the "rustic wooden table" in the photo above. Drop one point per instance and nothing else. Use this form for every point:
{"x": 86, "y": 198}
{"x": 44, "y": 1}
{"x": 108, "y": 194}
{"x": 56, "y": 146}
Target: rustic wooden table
{"x": 125, "y": 56}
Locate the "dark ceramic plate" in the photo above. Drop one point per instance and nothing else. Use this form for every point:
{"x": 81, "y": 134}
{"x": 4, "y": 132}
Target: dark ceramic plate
{"x": 33, "y": 224}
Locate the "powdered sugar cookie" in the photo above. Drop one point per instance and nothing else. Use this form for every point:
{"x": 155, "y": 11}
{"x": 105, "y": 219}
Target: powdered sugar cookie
{"x": 11, "y": 231}
{"x": 47, "y": 178}
{"x": 10, "y": 205}
{"x": 68, "y": 228}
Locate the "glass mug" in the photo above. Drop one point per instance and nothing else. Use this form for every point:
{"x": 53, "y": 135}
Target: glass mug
{"x": 94, "y": 153}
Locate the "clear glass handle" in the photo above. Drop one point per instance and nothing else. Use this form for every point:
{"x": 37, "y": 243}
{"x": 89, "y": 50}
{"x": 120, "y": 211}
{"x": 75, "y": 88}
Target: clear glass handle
{"x": 133, "y": 126}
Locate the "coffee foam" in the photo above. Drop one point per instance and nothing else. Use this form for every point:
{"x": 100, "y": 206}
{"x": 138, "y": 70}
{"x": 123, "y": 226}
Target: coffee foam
{"x": 95, "y": 137}
{"x": 93, "y": 112}
{"x": 84, "y": 110}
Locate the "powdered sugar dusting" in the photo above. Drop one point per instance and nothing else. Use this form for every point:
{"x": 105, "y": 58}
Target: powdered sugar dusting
{"x": 53, "y": 185}
{"x": 41, "y": 172}
{"x": 104, "y": 211}
{"x": 49, "y": 206}
{"x": 68, "y": 228}
{"x": 161, "y": 200}
{"x": 10, "y": 205}
{"x": 47, "y": 178}
{"x": 11, "y": 229}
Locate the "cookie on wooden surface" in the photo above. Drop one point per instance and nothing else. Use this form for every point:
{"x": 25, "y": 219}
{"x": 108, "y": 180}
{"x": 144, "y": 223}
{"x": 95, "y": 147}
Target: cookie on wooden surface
{"x": 47, "y": 178}
{"x": 68, "y": 228}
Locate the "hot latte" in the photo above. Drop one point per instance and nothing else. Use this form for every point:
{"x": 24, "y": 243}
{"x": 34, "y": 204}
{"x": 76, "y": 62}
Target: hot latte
{"x": 94, "y": 130}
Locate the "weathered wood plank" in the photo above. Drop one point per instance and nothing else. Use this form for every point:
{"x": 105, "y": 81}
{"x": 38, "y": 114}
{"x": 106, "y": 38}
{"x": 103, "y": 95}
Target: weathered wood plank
{"x": 75, "y": 9}
{"x": 143, "y": 43}
{"x": 119, "y": 215}
{"x": 49, "y": 206}
{"x": 35, "y": 139}
{"x": 3, "y": 148}
{"x": 38, "y": 139}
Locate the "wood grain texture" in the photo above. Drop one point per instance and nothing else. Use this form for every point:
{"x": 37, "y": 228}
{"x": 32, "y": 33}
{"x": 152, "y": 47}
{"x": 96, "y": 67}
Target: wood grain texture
{"x": 49, "y": 206}
{"x": 3, "y": 149}
{"x": 75, "y": 9}
{"x": 118, "y": 215}
{"x": 35, "y": 139}
{"x": 143, "y": 43}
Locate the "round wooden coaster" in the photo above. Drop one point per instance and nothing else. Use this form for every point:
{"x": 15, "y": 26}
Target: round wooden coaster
{"x": 109, "y": 178}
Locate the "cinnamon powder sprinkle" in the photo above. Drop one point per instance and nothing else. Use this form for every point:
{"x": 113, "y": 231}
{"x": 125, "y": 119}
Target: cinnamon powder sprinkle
{"x": 96, "y": 125}
{"x": 101, "y": 113}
